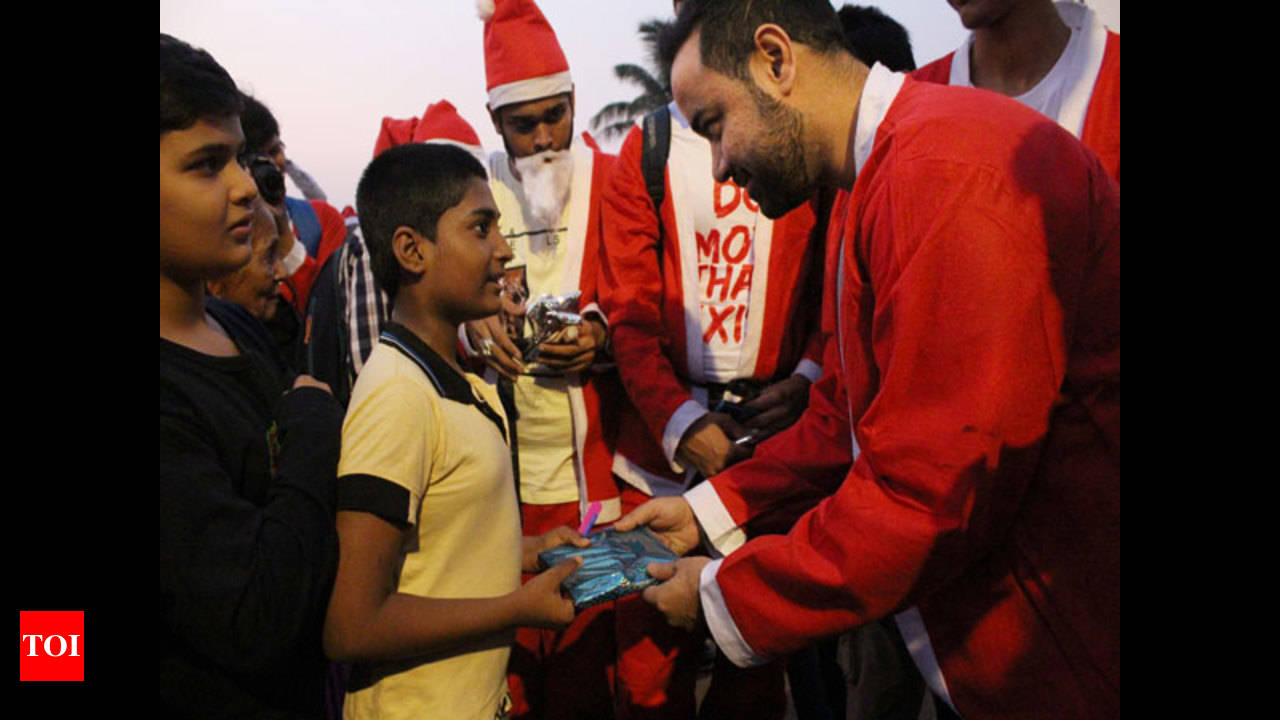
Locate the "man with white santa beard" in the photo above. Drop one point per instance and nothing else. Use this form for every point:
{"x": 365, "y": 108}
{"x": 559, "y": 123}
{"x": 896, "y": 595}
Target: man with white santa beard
{"x": 548, "y": 189}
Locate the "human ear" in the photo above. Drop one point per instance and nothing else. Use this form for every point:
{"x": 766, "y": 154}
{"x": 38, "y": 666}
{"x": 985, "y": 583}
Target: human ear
{"x": 408, "y": 247}
{"x": 773, "y": 62}
{"x": 493, "y": 117}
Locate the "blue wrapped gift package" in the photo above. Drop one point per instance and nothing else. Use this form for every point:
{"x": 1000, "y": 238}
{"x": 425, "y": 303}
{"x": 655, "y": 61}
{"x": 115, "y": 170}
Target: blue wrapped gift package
{"x": 614, "y": 565}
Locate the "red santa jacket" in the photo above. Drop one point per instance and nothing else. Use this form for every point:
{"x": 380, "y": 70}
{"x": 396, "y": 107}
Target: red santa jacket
{"x": 653, "y": 305}
{"x": 1099, "y": 88}
{"x": 594, "y": 394}
{"x": 962, "y": 453}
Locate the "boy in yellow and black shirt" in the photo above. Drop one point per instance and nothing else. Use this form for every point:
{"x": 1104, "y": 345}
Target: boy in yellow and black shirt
{"x": 428, "y": 592}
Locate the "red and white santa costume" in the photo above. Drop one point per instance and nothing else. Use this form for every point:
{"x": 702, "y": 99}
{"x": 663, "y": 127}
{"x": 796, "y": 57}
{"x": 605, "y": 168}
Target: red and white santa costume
{"x": 959, "y": 465}
{"x": 592, "y": 395}
{"x": 523, "y": 62}
{"x": 1081, "y": 91}
{"x": 662, "y": 310}
{"x": 556, "y": 673}
{"x": 718, "y": 292}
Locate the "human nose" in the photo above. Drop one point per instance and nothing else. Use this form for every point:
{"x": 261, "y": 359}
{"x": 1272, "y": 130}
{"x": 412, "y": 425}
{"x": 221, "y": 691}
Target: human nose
{"x": 719, "y": 166}
{"x": 502, "y": 250}
{"x": 243, "y": 188}
{"x": 542, "y": 138}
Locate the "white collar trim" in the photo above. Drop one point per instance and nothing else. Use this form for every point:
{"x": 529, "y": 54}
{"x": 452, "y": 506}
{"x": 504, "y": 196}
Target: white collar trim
{"x": 878, "y": 94}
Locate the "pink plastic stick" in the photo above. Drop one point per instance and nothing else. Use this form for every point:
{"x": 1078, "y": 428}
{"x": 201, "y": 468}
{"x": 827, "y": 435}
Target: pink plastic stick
{"x": 590, "y": 520}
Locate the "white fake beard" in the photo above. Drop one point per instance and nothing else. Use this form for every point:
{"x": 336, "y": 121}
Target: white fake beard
{"x": 546, "y": 178}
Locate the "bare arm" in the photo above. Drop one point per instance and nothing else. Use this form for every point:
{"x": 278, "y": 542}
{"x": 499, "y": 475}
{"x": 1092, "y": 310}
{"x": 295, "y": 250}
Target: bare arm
{"x": 368, "y": 620}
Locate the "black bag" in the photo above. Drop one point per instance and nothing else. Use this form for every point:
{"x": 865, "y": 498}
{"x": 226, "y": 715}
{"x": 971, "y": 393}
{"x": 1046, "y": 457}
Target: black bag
{"x": 324, "y": 341}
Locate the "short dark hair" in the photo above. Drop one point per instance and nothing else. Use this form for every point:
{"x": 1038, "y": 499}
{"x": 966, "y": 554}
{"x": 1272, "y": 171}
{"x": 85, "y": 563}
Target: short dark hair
{"x": 193, "y": 86}
{"x": 258, "y": 124}
{"x": 728, "y": 28}
{"x": 874, "y": 37}
{"x": 409, "y": 185}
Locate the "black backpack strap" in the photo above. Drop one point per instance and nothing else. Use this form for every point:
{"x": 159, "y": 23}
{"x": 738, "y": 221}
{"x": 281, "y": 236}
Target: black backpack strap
{"x": 324, "y": 335}
{"x": 653, "y": 158}
{"x": 656, "y": 127}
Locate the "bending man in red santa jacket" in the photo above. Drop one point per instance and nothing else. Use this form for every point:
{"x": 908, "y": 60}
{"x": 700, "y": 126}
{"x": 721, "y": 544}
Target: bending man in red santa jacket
{"x": 959, "y": 465}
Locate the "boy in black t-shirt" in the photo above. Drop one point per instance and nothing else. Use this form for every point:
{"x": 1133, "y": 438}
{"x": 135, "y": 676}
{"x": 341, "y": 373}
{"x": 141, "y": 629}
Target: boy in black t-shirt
{"x": 248, "y": 456}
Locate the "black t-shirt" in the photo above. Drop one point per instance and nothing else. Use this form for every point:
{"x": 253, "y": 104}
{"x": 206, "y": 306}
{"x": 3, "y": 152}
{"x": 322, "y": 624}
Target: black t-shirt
{"x": 250, "y": 333}
{"x": 248, "y": 548}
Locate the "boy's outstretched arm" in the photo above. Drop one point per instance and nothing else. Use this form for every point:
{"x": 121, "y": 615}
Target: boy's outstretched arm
{"x": 368, "y": 621}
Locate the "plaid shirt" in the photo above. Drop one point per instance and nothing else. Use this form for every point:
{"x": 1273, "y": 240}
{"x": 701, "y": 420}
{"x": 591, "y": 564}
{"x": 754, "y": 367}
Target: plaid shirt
{"x": 365, "y": 306}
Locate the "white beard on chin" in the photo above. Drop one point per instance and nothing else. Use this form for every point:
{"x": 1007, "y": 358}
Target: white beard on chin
{"x": 546, "y": 178}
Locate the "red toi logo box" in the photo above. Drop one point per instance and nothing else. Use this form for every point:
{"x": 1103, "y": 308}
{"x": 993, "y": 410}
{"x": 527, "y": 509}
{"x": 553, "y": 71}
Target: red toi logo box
{"x": 51, "y": 645}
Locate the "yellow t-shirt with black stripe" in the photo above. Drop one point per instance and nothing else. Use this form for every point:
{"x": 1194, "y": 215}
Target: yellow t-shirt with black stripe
{"x": 425, "y": 445}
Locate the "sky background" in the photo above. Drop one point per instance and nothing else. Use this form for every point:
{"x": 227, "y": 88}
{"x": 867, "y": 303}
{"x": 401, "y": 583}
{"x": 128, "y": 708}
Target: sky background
{"x": 330, "y": 70}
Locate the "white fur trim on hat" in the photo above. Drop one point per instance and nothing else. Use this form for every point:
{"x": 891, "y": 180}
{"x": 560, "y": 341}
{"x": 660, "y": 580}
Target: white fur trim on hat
{"x": 476, "y": 151}
{"x": 484, "y": 8}
{"x": 530, "y": 89}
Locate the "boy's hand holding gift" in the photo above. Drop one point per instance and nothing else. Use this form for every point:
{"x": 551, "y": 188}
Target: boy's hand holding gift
{"x": 531, "y": 545}
{"x": 541, "y": 603}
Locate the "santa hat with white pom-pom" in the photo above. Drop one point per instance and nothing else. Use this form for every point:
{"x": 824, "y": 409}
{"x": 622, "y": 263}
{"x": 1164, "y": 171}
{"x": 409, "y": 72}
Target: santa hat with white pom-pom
{"x": 522, "y": 57}
{"x": 441, "y": 123}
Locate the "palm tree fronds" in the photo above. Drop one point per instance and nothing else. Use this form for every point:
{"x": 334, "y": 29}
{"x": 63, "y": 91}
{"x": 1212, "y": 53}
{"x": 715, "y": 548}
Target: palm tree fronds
{"x": 616, "y": 118}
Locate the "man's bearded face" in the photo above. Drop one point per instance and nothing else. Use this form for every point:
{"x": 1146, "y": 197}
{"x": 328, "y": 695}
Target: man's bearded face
{"x": 774, "y": 170}
{"x": 756, "y": 141}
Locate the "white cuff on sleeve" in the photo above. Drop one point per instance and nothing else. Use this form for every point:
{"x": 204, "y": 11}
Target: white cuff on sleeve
{"x": 466, "y": 344}
{"x": 722, "y": 533}
{"x": 297, "y": 255}
{"x": 809, "y": 369}
{"x": 720, "y": 622}
{"x": 681, "y": 419}
{"x": 594, "y": 309}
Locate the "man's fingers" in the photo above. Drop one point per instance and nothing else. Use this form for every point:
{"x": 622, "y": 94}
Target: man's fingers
{"x": 561, "y": 350}
{"x": 769, "y": 417}
{"x": 557, "y": 357}
{"x": 642, "y": 515}
{"x": 488, "y": 338}
{"x": 661, "y": 571}
{"x": 738, "y": 453}
{"x": 493, "y": 329}
{"x": 504, "y": 362}
{"x": 766, "y": 399}
{"x": 503, "y": 342}
{"x": 732, "y": 428}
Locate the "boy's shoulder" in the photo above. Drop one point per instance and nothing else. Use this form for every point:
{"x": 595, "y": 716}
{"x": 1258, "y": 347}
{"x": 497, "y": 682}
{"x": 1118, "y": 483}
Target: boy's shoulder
{"x": 389, "y": 373}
